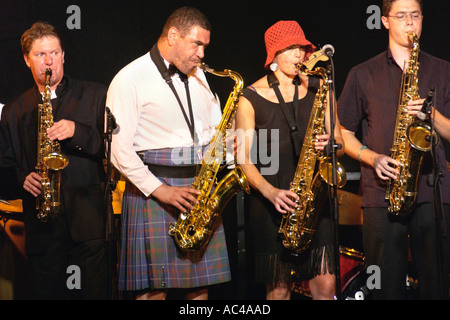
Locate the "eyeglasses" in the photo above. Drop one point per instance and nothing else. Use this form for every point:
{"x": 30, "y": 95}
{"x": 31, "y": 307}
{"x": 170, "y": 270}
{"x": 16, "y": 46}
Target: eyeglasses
{"x": 402, "y": 16}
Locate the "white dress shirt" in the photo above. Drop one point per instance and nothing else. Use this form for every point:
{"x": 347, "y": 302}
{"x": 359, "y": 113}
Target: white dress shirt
{"x": 149, "y": 117}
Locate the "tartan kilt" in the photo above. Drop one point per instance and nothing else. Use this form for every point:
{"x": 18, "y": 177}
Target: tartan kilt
{"x": 149, "y": 258}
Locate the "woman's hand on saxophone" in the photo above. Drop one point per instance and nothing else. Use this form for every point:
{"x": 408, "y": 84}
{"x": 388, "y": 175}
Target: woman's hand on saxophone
{"x": 283, "y": 200}
{"x": 32, "y": 184}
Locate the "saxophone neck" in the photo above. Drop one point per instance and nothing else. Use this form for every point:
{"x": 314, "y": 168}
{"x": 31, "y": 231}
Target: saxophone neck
{"x": 231, "y": 104}
{"x": 318, "y": 71}
{"x": 47, "y": 90}
{"x": 414, "y": 51}
{"x": 48, "y": 76}
{"x": 225, "y": 73}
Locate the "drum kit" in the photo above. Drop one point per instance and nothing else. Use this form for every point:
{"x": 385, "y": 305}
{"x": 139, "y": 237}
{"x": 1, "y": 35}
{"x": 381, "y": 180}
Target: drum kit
{"x": 11, "y": 222}
{"x": 13, "y": 262}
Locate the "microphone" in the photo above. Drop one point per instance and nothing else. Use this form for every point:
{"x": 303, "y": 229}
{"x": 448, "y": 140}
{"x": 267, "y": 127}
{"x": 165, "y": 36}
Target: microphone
{"x": 328, "y": 49}
{"x": 422, "y": 114}
{"x": 115, "y": 128}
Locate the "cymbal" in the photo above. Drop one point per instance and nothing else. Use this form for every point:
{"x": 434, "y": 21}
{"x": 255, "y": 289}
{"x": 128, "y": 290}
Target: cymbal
{"x": 350, "y": 212}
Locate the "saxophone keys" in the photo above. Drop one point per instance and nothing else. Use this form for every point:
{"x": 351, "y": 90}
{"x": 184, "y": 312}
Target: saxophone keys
{"x": 183, "y": 215}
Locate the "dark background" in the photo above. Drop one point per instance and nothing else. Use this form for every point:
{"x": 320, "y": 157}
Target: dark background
{"x": 114, "y": 33}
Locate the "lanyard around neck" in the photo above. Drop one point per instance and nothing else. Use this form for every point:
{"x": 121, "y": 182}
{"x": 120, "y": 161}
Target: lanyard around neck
{"x": 289, "y": 114}
{"x": 157, "y": 59}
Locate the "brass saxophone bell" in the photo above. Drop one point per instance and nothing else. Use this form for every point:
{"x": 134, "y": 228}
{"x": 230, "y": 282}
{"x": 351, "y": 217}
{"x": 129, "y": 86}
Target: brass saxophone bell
{"x": 419, "y": 135}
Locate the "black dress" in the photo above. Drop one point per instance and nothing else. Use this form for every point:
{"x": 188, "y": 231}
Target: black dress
{"x": 272, "y": 262}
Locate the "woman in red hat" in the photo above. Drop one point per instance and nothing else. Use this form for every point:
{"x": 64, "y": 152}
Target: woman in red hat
{"x": 260, "y": 111}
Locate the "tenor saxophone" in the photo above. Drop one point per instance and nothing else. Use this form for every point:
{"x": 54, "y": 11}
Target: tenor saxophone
{"x": 312, "y": 175}
{"x": 194, "y": 228}
{"x": 410, "y": 140}
{"x": 50, "y": 160}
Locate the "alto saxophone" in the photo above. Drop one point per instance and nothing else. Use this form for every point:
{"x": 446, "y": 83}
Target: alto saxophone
{"x": 310, "y": 184}
{"x": 410, "y": 140}
{"x": 50, "y": 160}
{"x": 194, "y": 228}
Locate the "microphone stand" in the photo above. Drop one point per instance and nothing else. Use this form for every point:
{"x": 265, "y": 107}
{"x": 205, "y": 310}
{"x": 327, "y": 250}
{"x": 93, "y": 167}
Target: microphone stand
{"x": 332, "y": 147}
{"x": 438, "y": 209}
{"x": 110, "y": 185}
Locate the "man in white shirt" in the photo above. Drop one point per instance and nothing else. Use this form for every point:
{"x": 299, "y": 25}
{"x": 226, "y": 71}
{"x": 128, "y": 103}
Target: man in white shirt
{"x": 162, "y": 132}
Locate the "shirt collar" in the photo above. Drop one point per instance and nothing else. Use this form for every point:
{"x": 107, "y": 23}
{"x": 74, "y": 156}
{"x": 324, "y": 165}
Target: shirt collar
{"x": 390, "y": 57}
{"x": 391, "y": 60}
{"x": 59, "y": 89}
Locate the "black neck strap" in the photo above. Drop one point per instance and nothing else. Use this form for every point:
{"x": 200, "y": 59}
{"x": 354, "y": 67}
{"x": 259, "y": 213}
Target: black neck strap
{"x": 162, "y": 68}
{"x": 289, "y": 114}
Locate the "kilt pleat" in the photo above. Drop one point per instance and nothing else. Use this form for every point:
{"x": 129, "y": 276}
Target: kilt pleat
{"x": 149, "y": 258}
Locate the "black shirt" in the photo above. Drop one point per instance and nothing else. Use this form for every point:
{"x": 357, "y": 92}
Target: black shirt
{"x": 83, "y": 103}
{"x": 370, "y": 99}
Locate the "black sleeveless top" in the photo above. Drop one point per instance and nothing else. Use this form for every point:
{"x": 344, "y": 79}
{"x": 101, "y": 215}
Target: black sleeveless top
{"x": 273, "y": 153}
{"x": 274, "y": 148}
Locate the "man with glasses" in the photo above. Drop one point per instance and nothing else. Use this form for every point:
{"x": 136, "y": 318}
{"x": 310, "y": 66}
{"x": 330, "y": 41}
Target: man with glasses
{"x": 369, "y": 99}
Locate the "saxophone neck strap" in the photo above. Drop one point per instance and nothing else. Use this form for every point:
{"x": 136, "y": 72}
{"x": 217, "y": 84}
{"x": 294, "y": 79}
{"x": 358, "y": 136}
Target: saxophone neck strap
{"x": 164, "y": 71}
{"x": 158, "y": 60}
{"x": 289, "y": 114}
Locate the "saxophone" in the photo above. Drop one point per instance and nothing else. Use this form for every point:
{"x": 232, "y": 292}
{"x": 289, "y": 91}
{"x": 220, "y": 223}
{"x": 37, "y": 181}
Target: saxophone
{"x": 297, "y": 228}
{"x": 411, "y": 140}
{"x": 194, "y": 228}
{"x": 50, "y": 161}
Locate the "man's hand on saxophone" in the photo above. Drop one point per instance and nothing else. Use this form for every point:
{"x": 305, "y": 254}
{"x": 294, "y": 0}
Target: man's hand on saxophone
{"x": 32, "y": 184}
{"x": 386, "y": 167}
{"x": 61, "y": 130}
{"x": 414, "y": 106}
{"x": 181, "y": 198}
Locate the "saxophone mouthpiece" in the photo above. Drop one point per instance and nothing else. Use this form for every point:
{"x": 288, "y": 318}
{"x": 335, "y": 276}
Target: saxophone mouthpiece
{"x": 203, "y": 66}
{"x": 48, "y": 75}
{"x": 412, "y": 37}
{"x": 301, "y": 68}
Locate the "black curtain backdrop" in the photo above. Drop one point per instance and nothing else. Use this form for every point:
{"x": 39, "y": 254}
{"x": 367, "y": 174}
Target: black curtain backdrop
{"x": 115, "y": 32}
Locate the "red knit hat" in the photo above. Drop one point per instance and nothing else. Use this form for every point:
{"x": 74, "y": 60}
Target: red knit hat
{"x": 284, "y": 34}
